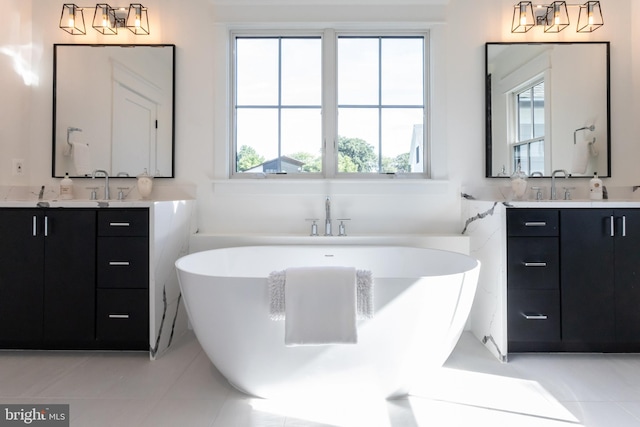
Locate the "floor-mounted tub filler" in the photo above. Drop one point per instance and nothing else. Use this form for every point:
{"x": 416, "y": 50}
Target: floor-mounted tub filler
{"x": 421, "y": 297}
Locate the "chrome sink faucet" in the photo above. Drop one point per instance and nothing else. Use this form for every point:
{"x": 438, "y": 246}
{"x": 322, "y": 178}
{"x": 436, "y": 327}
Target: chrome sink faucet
{"x": 106, "y": 181}
{"x": 327, "y": 219}
{"x": 553, "y": 182}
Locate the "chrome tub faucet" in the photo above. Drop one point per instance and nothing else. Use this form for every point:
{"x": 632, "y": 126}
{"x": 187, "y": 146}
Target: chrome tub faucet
{"x": 327, "y": 220}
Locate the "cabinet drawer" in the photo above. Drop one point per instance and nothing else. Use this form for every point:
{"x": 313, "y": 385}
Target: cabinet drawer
{"x": 123, "y": 222}
{"x": 532, "y": 222}
{"x": 123, "y": 262}
{"x": 533, "y": 316}
{"x": 123, "y": 318}
{"x": 533, "y": 263}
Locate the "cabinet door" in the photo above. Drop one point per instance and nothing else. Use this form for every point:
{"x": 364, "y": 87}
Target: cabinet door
{"x": 70, "y": 275}
{"x": 21, "y": 277}
{"x": 627, "y": 275}
{"x": 587, "y": 276}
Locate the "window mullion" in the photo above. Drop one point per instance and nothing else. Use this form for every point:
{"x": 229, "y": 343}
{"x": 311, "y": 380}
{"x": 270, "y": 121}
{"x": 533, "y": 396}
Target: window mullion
{"x": 330, "y": 103}
{"x": 379, "y": 104}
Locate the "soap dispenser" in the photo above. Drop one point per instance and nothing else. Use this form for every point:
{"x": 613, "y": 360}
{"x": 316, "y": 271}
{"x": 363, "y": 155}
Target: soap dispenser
{"x": 66, "y": 188}
{"x": 519, "y": 183}
{"x": 595, "y": 187}
{"x": 145, "y": 184}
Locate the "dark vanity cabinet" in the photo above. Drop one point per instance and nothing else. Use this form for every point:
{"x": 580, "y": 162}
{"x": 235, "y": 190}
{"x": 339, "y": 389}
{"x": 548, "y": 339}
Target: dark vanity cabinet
{"x": 582, "y": 293}
{"x": 601, "y": 279}
{"x": 533, "y": 279}
{"x": 123, "y": 279}
{"x": 50, "y": 293}
{"x": 47, "y": 278}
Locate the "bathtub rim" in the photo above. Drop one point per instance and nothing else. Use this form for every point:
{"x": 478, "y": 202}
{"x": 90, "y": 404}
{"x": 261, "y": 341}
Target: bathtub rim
{"x": 473, "y": 262}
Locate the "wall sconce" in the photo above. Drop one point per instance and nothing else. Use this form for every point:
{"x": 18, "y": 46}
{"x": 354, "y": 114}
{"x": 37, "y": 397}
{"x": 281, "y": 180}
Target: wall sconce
{"x": 106, "y": 19}
{"x": 137, "y": 19}
{"x": 72, "y": 19}
{"x": 590, "y": 17}
{"x": 555, "y": 17}
{"x": 523, "y": 17}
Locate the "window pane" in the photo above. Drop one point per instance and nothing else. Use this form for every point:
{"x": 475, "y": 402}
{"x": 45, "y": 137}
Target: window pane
{"x": 301, "y": 71}
{"x": 358, "y": 71}
{"x": 524, "y": 116}
{"x": 358, "y": 140}
{"x": 257, "y": 71}
{"x": 401, "y": 135}
{"x": 521, "y": 157}
{"x": 536, "y": 154}
{"x": 538, "y": 110}
{"x": 256, "y": 138}
{"x": 402, "y": 71}
{"x": 302, "y": 139}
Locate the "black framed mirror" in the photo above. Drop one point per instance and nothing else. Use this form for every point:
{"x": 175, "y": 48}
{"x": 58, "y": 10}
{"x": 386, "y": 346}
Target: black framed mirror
{"x": 548, "y": 108}
{"x": 113, "y": 109}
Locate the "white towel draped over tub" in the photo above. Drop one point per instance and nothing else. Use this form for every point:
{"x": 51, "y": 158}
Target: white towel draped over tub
{"x": 320, "y": 304}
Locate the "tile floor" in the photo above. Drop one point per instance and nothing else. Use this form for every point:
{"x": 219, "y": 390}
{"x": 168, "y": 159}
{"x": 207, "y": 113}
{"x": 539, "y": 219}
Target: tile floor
{"x": 183, "y": 389}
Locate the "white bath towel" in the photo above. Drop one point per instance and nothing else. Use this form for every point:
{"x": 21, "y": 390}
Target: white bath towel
{"x": 580, "y": 152}
{"x": 364, "y": 280}
{"x": 81, "y": 158}
{"x": 320, "y": 306}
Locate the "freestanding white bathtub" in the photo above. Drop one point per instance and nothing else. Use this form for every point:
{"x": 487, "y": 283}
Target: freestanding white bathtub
{"x": 422, "y": 298}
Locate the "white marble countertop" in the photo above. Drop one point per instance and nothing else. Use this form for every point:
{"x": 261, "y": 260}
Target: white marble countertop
{"x": 583, "y": 203}
{"x": 28, "y": 197}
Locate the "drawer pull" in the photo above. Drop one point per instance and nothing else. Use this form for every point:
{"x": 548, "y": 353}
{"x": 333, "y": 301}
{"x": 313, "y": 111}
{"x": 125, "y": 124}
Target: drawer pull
{"x": 535, "y": 224}
{"x": 119, "y": 224}
{"x": 535, "y": 316}
{"x": 118, "y": 316}
{"x": 119, "y": 263}
{"x": 535, "y": 264}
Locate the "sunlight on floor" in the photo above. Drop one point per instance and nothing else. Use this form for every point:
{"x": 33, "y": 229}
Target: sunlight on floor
{"x": 514, "y": 397}
{"x": 362, "y": 411}
{"x": 451, "y": 397}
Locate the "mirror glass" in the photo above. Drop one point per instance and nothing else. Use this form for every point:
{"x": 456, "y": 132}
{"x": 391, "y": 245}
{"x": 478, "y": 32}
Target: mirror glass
{"x": 113, "y": 109}
{"x": 547, "y": 108}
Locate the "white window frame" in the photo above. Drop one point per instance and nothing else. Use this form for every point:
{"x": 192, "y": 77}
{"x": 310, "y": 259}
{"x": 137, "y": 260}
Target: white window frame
{"x": 329, "y": 106}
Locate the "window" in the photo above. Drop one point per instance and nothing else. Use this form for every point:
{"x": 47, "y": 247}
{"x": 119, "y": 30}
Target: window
{"x": 329, "y": 105}
{"x": 528, "y": 148}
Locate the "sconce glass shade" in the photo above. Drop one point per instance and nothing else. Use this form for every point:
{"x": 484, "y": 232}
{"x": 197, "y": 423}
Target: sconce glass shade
{"x": 104, "y": 19}
{"x": 137, "y": 19}
{"x": 72, "y": 19}
{"x": 557, "y": 17}
{"x": 590, "y": 17}
{"x": 523, "y": 17}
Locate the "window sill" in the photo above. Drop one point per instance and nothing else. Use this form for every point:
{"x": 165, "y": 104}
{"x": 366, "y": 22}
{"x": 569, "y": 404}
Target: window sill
{"x": 332, "y": 186}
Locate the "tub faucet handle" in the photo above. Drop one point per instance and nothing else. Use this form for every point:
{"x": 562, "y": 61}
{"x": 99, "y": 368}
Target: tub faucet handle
{"x": 341, "y": 228}
{"x": 314, "y": 226}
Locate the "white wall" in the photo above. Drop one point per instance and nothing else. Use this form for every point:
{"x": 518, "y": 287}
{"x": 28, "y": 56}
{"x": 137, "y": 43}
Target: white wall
{"x": 459, "y": 30}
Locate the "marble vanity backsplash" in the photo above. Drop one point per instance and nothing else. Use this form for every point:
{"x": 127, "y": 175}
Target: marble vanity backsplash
{"x": 578, "y": 189}
{"x": 82, "y": 192}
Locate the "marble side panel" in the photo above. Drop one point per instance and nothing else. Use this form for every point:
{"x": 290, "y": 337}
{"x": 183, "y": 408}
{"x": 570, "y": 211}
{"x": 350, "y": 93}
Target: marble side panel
{"x": 484, "y": 222}
{"x": 171, "y": 223}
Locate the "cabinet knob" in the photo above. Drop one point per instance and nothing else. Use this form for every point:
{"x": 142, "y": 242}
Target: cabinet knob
{"x": 119, "y": 224}
{"x": 125, "y": 263}
{"x": 535, "y": 224}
